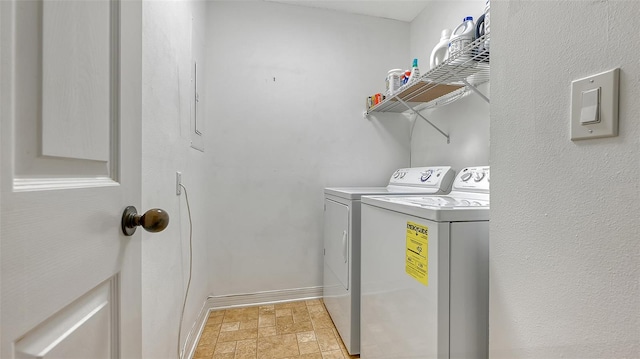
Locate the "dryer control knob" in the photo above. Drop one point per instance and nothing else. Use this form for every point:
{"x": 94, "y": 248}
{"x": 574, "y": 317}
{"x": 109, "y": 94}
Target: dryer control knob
{"x": 478, "y": 176}
{"x": 396, "y": 174}
{"x": 426, "y": 175}
{"x": 465, "y": 177}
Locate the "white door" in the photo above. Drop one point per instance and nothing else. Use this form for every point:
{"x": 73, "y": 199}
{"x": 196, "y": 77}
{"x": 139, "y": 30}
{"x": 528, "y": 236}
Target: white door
{"x": 70, "y": 104}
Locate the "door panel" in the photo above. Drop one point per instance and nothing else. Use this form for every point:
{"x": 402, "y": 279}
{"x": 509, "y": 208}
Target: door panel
{"x": 77, "y": 331}
{"x": 401, "y": 317}
{"x": 76, "y": 79}
{"x": 70, "y": 90}
{"x": 336, "y": 240}
{"x": 66, "y": 82}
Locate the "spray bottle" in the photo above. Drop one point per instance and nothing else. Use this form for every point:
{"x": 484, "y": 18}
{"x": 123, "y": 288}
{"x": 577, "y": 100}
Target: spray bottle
{"x": 415, "y": 72}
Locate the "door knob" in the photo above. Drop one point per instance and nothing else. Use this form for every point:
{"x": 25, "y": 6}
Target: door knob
{"x": 153, "y": 220}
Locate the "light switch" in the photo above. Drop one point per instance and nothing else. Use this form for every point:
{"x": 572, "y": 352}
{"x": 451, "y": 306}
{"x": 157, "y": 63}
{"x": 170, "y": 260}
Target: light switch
{"x": 594, "y": 106}
{"x": 590, "y": 112}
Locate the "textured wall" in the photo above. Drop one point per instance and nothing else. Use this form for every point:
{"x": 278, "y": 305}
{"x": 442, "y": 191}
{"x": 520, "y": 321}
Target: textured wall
{"x": 466, "y": 120}
{"x": 565, "y": 228}
{"x": 287, "y": 89}
{"x": 166, "y": 100}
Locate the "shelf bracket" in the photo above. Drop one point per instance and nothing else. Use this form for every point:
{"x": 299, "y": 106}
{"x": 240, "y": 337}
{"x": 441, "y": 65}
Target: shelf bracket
{"x": 475, "y": 89}
{"x": 471, "y": 87}
{"x": 424, "y": 118}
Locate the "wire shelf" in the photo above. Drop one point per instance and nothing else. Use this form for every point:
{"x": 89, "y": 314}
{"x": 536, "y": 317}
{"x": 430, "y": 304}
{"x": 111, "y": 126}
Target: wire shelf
{"x": 462, "y": 72}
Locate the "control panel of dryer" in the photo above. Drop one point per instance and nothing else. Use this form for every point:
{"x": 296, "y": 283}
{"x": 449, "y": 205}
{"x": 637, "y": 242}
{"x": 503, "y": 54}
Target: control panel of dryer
{"x": 473, "y": 179}
{"x": 437, "y": 177}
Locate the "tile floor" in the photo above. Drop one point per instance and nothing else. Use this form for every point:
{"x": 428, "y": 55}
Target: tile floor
{"x": 300, "y": 329}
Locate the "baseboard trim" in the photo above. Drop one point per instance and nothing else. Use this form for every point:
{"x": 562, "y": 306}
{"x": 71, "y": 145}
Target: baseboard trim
{"x": 261, "y": 298}
{"x": 244, "y": 300}
{"x": 196, "y": 330}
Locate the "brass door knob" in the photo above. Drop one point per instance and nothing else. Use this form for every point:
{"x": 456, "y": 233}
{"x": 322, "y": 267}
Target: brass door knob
{"x": 153, "y": 220}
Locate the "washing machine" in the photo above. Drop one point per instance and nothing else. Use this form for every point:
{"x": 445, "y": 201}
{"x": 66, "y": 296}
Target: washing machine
{"x": 425, "y": 272}
{"x": 341, "y": 289}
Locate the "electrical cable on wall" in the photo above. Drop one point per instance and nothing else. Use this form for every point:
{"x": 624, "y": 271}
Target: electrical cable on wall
{"x": 186, "y": 294}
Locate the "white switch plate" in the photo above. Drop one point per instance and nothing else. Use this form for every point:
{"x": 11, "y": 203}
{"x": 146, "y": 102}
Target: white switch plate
{"x": 608, "y": 82}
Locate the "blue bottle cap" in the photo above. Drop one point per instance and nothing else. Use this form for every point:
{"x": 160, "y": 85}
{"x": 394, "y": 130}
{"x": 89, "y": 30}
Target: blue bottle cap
{"x": 468, "y": 18}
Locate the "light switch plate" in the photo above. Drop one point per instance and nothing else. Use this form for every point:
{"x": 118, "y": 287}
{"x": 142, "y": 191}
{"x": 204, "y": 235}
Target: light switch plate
{"x": 608, "y": 82}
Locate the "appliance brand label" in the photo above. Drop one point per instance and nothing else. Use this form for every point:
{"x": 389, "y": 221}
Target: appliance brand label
{"x": 417, "y": 256}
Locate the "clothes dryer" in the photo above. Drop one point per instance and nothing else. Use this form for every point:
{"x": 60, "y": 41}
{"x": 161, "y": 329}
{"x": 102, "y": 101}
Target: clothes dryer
{"x": 425, "y": 272}
{"x": 341, "y": 291}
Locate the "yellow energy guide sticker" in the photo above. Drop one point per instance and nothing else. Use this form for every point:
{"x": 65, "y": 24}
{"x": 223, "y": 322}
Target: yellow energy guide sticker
{"x": 417, "y": 260}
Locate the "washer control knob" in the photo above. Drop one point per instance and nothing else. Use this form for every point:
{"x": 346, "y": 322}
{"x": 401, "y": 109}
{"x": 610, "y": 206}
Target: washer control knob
{"x": 478, "y": 176}
{"x": 465, "y": 177}
{"x": 396, "y": 174}
{"x": 403, "y": 174}
{"x": 426, "y": 175}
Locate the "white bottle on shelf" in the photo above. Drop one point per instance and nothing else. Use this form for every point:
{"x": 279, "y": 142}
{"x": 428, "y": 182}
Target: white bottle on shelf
{"x": 462, "y": 36}
{"x": 441, "y": 51}
{"x": 394, "y": 81}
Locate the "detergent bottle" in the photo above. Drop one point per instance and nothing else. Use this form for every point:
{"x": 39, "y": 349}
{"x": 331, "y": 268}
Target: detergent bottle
{"x": 487, "y": 23}
{"x": 462, "y": 36}
{"x": 441, "y": 50}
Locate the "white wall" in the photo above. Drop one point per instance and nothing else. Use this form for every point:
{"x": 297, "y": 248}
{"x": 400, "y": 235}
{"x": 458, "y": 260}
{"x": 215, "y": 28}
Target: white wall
{"x": 166, "y": 103}
{"x": 466, "y": 120}
{"x": 287, "y": 89}
{"x": 565, "y": 249}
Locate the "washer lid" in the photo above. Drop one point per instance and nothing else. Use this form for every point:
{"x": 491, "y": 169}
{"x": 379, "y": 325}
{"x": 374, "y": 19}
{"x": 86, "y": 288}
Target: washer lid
{"x": 357, "y": 192}
{"x": 435, "y": 208}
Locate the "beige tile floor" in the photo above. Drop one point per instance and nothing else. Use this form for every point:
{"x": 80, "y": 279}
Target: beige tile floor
{"x": 300, "y": 329}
